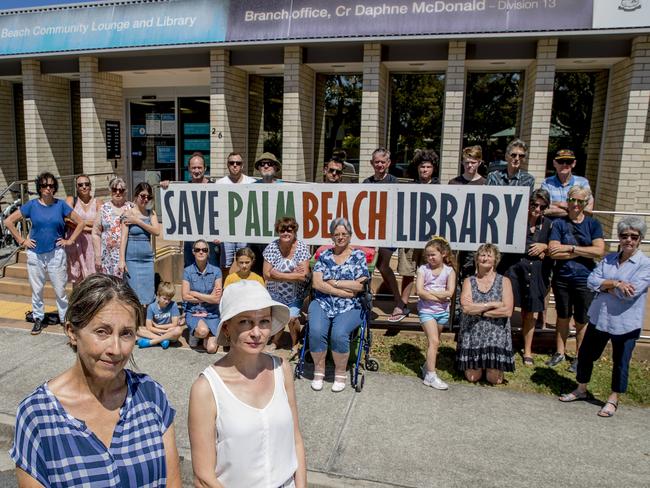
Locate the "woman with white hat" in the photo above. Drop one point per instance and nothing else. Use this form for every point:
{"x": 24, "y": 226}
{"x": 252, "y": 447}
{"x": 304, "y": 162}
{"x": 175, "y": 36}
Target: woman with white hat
{"x": 249, "y": 398}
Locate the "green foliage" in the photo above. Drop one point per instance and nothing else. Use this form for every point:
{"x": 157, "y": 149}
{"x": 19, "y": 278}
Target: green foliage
{"x": 415, "y": 114}
{"x": 343, "y": 113}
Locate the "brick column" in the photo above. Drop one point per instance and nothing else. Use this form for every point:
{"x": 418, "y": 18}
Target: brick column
{"x": 255, "y": 120}
{"x": 452, "y": 120}
{"x": 9, "y": 154}
{"x": 622, "y": 185}
{"x": 48, "y": 131}
{"x": 373, "y": 106}
{"x": 596, "y": 128}
{"x": 537, "y": 107}
{"x": 319, "y": 127}
{"x": 101, "y": 99}
{"x": 297, "y": 117}
{"x": 228, "y": 111}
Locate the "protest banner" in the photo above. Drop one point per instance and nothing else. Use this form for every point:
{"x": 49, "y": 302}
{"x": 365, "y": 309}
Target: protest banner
{"x": 401, "y": 215}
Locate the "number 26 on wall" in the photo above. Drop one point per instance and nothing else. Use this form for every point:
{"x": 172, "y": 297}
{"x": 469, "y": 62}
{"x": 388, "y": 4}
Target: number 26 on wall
{"x": 214, "y": 131}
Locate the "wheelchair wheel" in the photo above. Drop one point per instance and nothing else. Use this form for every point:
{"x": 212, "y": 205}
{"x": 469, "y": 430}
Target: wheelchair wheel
{"x": 372, "y": 364}
{"x": 297, "y": 371}
{"x": 360, "y": 381}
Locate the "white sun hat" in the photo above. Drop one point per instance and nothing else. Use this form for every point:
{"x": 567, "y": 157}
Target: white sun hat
{"x": 245, "y": 296}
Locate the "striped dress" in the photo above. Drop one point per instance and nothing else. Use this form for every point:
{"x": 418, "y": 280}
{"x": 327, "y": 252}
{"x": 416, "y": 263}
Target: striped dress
{"x": 58, "y": 450}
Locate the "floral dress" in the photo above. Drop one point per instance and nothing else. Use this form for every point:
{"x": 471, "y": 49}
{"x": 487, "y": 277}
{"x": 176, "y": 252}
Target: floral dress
{"x": 286, "y": 292}
{"x": 485, "y": 342}
{"x": 111, "y": 237}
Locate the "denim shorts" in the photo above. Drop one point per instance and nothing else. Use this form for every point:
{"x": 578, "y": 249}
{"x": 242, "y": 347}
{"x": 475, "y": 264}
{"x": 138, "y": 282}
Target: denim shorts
{"x": 441, "y": 318}
{"x": 295, "y": 307}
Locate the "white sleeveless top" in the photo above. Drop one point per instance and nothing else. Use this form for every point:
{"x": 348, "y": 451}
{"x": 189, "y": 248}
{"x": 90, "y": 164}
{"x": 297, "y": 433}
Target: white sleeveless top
{"x": 255, "y": 447}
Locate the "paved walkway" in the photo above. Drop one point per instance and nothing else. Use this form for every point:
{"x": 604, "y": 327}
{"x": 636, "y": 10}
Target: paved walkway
{"x": 397, "y": 432}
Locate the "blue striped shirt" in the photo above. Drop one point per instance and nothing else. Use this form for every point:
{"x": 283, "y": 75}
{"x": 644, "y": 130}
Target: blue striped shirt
{"x": 58, "y": 450}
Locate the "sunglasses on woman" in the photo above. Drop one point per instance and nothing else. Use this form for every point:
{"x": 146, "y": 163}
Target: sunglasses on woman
{"x": 540, "y": 206}
{"x": 119, "y": 191}
{"x": 576, "y": 200}
{"x": 144, "y": 196}
{"x": 201, "y": 249}
{"x": 286, "y": 228}
{"x": 634, "y": 237}
{"x": 83, "y": 184}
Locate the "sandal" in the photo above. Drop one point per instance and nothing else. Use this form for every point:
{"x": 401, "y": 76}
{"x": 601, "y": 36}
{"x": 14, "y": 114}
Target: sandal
{"x": 528, "y": 361}
{"x": 575, "y": 395}
{"x": 317, "y": 382}
{"x": 608, "y": 413}
{"x": 338, "y": 386}
{"x": 399, "y": 314}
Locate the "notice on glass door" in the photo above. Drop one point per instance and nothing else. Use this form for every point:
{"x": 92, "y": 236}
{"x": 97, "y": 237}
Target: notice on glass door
{"x": 168, "y": 124}
{"x": 153, "y": 124}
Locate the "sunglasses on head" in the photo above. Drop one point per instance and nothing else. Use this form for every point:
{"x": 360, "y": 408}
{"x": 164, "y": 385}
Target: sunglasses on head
{"x": 235, "y": 163}
{"x": 334, "y": 171}
{"x": 517, "y": 156}
{"x": 540, "y": 206}
{"x": 201, "y": 249}
{"x": 83, "y": 184}
{"x": 634, "y": 237}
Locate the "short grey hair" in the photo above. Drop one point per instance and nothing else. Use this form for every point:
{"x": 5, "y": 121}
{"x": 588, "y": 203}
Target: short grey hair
{"x": 338, "y": 222}
{"x": 380, "y": 150}
{"x": 632, "y": 222}
{"x": 579, "y": 189}
{"x": 116, "y": 181}
{"x": 517, "y": 143}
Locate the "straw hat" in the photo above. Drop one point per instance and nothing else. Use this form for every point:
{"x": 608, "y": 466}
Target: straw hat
{"x": 246, "y": 296}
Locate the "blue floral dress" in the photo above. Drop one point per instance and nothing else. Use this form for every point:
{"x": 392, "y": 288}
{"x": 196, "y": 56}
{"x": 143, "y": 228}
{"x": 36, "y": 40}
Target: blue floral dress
{"x": 353, "y": 268}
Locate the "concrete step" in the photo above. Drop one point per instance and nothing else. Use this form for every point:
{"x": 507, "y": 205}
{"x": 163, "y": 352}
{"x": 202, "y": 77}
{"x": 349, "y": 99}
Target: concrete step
{"x": 18, "y": 270}
{"x": 20, "y": 287}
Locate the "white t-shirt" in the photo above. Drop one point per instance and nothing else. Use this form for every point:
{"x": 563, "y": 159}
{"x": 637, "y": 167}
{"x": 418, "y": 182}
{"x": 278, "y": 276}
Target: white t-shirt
{"x": 244, "y": 180}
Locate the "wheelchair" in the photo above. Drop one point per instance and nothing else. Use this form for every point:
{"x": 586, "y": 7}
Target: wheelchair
{"x": 361, "y": 338}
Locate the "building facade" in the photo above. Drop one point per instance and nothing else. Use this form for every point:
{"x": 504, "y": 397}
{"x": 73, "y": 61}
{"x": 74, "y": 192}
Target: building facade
{"x": 158, "y": 80}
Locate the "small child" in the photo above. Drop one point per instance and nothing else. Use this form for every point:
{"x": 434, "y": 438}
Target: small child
{"x": 435, "y": 285}
{"x": 162, "y": 319}
{"x": 245, "y": 258}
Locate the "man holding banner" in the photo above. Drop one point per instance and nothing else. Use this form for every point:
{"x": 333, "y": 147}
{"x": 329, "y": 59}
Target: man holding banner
{"x": 380, "y": 162}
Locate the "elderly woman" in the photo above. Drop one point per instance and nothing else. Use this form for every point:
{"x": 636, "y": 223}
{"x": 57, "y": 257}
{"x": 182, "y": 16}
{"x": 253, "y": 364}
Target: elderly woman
{"x": 81, "y": 256}
{"x": 575, "y": 241}
{"x": 97, "y": 423}
{"x": 286, "y": 270}
{"x": 243, "y": 419}
{"x": 621, "y": 281}
{"x": 136, "y": 254}
{"x": 107, "y": 231}
{"x": 485, "y": 339}
{"x": 201, "y": 291}
{"x": 339, "y": 276}
{"x": 46, "y": 244}
{"x": 530, "y": 273}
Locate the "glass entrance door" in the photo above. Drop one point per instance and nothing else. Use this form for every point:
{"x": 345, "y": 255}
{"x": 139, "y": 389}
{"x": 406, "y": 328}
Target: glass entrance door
{"x": 153, "y": 138}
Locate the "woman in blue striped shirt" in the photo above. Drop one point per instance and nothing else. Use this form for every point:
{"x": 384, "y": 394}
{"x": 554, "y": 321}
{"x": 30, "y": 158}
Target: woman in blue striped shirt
{"x": 621, "y": 281}
{"x": 98, "y": 424}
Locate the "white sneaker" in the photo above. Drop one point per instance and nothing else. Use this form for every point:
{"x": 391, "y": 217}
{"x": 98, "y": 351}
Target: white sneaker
{"x": 432, "y": 380}
{"x": 317, "y": 382}
{"x": 338, "y": 386}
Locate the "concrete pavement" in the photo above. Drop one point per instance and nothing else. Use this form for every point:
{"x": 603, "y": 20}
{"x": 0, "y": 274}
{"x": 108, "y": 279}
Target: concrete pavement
{"x": 396, "y": 432}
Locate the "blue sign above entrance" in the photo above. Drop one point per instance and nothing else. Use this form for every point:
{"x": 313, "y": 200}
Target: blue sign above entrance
{"x": 114, "y": 26}
{"x": 25, "y": 4}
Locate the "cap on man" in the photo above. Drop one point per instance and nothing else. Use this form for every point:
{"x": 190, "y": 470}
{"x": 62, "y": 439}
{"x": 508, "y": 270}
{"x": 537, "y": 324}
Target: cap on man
{"x": 559, "y": 184}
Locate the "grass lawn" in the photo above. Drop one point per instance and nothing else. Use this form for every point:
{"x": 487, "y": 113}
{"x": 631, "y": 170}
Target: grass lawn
{"x": 404, "y": 354}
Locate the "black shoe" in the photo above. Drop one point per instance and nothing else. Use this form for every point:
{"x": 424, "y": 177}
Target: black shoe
{"x": 38, "y": 327}
{"x": 556, "y": 359}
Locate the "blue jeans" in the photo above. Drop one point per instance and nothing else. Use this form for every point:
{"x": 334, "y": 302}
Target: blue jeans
{"x": 53, "y": 265}
{"x": 593, "y": 346}
{"x": 342, "y": 326}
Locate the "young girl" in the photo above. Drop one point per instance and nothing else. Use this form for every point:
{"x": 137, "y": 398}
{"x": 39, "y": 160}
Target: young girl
{"x": 245, "y": 258}
{"x": 435, "y": 285}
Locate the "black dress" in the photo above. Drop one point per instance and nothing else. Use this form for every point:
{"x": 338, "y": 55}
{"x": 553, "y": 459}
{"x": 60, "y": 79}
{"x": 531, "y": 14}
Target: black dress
{"x": 530, "y": 276}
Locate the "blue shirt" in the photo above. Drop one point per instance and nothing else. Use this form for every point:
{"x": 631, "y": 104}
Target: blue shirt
{"x": 560, "y": 192}
{"x": 353, "y": 268}
{"x": 48, "y": 223}
{"x": 162, "y": 316}
{"x": 575, "y": 270}
{"x": 58, "y": 450}
{"x": 203, "y": 283}
{"x": 616, "y": 313}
